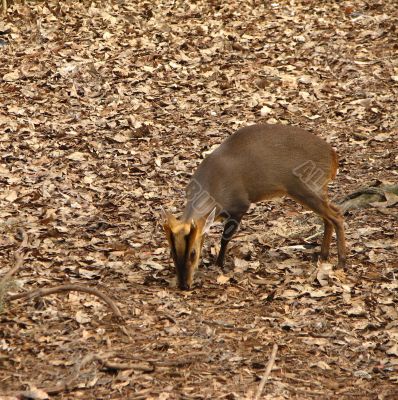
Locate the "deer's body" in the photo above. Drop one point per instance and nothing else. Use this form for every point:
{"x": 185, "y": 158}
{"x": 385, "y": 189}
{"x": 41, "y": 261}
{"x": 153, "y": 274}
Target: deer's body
{"x": 256, "y": 163}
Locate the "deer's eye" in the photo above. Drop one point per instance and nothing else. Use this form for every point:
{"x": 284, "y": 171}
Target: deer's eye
{"x": 192, "y": 254}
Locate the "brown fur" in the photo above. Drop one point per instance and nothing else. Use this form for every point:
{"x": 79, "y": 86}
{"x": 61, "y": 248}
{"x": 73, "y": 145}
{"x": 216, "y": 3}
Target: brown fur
{"x": 256, "y": 163}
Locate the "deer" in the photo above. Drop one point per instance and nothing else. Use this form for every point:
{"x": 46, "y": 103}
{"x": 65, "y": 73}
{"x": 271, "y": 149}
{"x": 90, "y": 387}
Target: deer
{"x": 256, "y": 163}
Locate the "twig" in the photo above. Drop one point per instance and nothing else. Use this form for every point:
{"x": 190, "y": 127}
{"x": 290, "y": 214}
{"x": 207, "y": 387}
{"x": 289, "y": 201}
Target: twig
{"x": 266, "y": 373}
{"x": 199, "y": 356}
{"x": 47, "y": 291}
{"x": 66, "y": 288}
{"x": 309, "y": 239}
{"x": 365, "y": 197}
{"x": 18, "y": 259}
{"x": 306, "y": 391}
{"x": 18, "y": 265}
{"x": 69, "y": 383}
{"x": 145, "y": 367}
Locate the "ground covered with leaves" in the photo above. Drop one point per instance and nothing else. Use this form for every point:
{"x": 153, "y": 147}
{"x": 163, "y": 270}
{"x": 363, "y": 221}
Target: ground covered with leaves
{"x": 106, "y": 109}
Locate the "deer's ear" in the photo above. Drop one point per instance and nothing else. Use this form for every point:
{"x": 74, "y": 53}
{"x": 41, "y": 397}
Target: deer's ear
{"x": 168, "y": 219}
{"x": 209, "y": 221}
{"x": 168, "y": 232}
{"x": 163, "y": 215}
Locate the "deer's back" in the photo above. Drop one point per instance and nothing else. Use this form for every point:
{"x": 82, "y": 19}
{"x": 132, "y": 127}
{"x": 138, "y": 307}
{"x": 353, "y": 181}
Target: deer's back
{"x": 263, "y": 161}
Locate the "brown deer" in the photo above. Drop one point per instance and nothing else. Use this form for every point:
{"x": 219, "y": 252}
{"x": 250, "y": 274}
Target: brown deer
{"x": 256, "y": 163}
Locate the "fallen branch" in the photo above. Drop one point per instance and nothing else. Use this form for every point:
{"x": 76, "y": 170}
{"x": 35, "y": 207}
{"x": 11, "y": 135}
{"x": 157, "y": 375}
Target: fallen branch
{"x": 66, "y": 288}
{"x": 47, "y": 291}
{"x": 150, "y": 365}
{"x": 18, "y": 266}
{"x": 70, "y": 383}
{"x": 365, "y": 197}
{"x": 145, "y": 367}
{"x": 18, "y": 256}
{"x": 267, "y": 372}
{"x": 199, "y": 356}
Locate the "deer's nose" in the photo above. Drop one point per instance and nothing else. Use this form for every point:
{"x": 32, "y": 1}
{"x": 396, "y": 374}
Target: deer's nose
{"x": 184, "y": 286}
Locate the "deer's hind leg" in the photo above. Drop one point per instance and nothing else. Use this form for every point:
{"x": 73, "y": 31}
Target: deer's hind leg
{"x": 332, "y": 218}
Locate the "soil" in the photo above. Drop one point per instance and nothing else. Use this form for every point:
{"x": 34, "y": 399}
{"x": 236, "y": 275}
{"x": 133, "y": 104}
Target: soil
{"x": 107, "y": 108}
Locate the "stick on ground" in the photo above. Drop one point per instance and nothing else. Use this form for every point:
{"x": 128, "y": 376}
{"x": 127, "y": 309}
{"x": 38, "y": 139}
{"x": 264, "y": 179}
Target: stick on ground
{"x": 145, "y": 367}
{"x": 266, "y": 373}
{"x": 65, "y": 288}
{"x": 19, "y": 259}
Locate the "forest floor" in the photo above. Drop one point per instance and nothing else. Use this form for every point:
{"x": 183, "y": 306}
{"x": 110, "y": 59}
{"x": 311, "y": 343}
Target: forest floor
{"x": 106, "y": 109}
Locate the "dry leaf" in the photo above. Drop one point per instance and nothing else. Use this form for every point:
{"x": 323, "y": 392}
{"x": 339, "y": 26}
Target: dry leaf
{"x": 357, "y": 309}
{"x": 324, "y": 273}
{"x": 11, "y": 196}
{"x": 82, "y": 318}
{"x": 77, "y": 156}
{"x": 35, "y": 394}
{"x": 107, "y": 108}
{"x": 393, "y": 351}
{"x": 120, "y": 138}
{"x": 11, "y": 76}
{"x": 322, "y": 365}
{"x": 222, "y": 279}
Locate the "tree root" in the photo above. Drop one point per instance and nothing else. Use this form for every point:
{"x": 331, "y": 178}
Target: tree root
{"x": 376, "y": 192}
